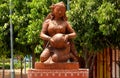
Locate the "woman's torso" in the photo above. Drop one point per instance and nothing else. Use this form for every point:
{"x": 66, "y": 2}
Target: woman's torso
{"x": 56, "y": 27}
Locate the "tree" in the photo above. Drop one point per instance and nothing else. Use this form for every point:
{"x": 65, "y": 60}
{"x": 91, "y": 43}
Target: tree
{"x": 27, "y": 18}
{"x": 4, "y": 28}
{"x": 97, "y": 24}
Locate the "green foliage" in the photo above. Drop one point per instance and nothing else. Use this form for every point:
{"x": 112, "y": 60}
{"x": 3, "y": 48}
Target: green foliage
{"x": 96, "y": 23}
{"x": 106, "y": 16}
{"x": 17, "y": 65}
{"x": 6, "y": 66}
{"x": 82, "y": 17}
{"x": 27, "y": 18}
{"x": 38, "y": 10}
{"x": 4, "y": 27}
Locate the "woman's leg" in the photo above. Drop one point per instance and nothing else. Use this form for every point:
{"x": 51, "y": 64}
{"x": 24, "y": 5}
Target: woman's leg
{"x": 45, "y": 55}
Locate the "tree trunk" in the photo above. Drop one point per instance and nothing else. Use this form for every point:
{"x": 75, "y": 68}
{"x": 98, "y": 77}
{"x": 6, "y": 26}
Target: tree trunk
{"x": 33, "y": 59}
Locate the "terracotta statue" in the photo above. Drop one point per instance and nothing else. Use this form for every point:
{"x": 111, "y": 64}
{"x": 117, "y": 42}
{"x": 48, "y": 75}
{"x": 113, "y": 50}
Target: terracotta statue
{"x": 57, "y": 34}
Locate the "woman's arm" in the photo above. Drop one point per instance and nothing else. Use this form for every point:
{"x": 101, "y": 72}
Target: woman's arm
{"x": 70, "y": 31}
{"x": 44, "y": 31}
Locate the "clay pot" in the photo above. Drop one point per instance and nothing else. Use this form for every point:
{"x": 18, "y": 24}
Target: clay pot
{"x": 58, "y": 41}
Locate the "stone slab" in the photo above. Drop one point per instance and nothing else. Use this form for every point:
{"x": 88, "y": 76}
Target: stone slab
{"x": 56, "y": 73}
{"x": 72, "y": 65}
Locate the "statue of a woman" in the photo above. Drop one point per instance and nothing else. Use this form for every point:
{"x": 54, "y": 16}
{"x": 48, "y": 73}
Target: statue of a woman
{"x": 58, "y": 35}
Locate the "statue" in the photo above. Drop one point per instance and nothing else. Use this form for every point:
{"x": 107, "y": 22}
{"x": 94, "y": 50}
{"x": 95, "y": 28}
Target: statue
{"x": 57, "y": 34}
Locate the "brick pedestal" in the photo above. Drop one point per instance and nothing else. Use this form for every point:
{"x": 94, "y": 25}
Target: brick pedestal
{"x": 58, "y": 70}
{"x": 47, "y": 73}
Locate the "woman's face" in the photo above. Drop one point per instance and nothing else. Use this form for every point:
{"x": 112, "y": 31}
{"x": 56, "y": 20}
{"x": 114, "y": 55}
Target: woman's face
{"x": 59, "y": 11}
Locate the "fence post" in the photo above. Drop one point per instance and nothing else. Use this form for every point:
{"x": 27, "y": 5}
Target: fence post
{"x": 25, "y": 66}
{"x": 3, "y": 68}
{"x": 21, "y": 67}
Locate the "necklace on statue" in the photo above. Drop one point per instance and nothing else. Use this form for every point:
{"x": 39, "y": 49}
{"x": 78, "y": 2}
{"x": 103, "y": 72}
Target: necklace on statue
{"x": 55, "y": 23}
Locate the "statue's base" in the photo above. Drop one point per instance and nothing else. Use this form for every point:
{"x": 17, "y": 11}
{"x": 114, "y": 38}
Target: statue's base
{"x": 47, "y": 73}
{"x": 72, "y": 65}
{"x": 58, "y": 70}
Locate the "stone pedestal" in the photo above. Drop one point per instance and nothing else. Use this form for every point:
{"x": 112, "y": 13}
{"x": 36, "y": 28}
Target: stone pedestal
{"x": 73, "y": 65}
{"x": 58, "y": 70}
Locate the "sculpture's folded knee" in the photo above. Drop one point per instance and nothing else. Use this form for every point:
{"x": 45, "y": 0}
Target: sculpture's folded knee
{"x": 45, "y": 55}
{"x": 43, "y": 58}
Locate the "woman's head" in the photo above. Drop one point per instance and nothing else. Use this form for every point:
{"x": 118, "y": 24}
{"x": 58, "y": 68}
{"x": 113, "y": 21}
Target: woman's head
{"x": 58, "y": 10}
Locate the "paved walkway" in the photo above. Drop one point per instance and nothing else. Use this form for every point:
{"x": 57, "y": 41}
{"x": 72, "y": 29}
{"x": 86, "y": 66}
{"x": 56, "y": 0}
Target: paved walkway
{"x": 17, "y": 74}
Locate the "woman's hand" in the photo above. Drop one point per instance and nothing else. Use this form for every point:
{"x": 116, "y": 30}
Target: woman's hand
{"x": 66, "y": 38}
{"x": 52, "y": 42}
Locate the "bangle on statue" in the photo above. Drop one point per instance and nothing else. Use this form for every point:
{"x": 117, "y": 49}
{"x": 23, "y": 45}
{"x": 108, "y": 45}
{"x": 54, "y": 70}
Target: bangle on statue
{"x": 49, "y": 38}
